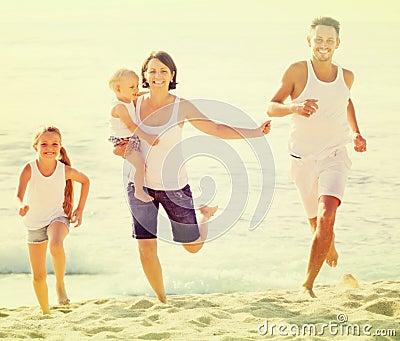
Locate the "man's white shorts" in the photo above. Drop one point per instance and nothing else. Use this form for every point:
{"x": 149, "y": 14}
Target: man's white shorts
{"x": 315, "y": 178}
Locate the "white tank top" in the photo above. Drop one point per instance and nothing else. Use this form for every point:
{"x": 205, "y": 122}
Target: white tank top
{"x": 164, "y": 162}
{"x": 45, "y": 196}
{"x": 117, "y": 127}
{"x": 326, "y": 130}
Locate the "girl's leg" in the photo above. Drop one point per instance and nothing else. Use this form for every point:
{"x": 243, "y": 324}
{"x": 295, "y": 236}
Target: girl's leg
{"x": 57, "y": 231}
{"x": 37, "y": 257}
{"x": 206, "y": 212}
{"x": 152, "y": 267}
{"x": 136, "y": 160}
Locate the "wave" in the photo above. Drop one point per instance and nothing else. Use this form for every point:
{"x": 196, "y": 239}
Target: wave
{"x": 15, "y": 260}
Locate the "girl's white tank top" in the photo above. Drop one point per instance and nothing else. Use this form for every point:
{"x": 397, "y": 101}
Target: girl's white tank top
{"x": 165, "y": 168}
{"x": 45, "y": 196}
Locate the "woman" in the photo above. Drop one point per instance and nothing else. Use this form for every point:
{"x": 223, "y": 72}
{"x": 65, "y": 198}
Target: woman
{"x": 162, "y": 113}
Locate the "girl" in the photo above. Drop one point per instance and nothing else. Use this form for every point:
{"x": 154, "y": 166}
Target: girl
{"x": 48, "y": 209}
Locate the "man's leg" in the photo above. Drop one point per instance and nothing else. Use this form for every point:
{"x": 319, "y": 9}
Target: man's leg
{"x": 332, "y": 256}
{"x": 322, "y": 240}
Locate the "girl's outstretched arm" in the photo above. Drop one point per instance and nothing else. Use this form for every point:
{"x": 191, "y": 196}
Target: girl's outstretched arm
{"x": 24, "y": 178}
{"x": 75, "y": 175}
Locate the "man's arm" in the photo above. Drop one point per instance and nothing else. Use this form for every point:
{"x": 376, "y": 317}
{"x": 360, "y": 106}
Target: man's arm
{"x": 360, "y": 144}
{"x": 277, "y": 106}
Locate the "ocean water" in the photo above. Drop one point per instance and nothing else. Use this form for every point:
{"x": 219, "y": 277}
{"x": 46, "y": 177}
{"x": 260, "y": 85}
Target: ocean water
{"x": 57, "y": 59}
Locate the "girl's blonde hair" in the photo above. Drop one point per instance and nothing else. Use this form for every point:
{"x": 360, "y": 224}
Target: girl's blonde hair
{"x": 69, "y": 186}
{"x": 118, "y": 75}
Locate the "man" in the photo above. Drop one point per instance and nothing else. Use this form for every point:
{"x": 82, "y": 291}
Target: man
{"x": 322, "y": 113}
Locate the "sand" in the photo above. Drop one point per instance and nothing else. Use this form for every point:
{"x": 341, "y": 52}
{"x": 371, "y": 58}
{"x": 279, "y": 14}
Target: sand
{"x": 228, "y": 316}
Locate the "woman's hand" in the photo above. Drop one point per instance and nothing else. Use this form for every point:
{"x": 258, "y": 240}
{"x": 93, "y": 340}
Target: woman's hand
{"x": 120, "y": 148}
{"x": 266, "y": 127}
{"x": 152, "y": 140}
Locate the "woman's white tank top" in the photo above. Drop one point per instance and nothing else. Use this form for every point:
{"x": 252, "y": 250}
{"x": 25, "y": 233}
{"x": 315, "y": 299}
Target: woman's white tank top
{"x": 45, "y": 196}
{"x": 165, "y": 169}
{"x": 325, "y": 131}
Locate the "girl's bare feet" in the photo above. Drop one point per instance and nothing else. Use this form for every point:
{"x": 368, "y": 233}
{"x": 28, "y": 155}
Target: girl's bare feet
{"x": 162, "y": 299}
{"x": 62, "y": 294}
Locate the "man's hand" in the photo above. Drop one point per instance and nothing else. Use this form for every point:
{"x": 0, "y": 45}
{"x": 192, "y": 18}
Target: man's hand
{"x": 360, "y": 144}
{"x": 306, "y": 108}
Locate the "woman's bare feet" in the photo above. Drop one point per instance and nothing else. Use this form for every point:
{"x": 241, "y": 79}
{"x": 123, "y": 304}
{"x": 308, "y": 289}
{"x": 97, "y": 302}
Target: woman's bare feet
{"x": 208, "y": 211}
{"x": 142, "y": 195}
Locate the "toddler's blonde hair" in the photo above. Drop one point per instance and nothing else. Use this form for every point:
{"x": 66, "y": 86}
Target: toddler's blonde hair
{"x": 118, "y": 75}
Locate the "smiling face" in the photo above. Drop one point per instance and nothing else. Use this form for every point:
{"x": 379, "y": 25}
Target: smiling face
{"x": 158, "y": 75}
{"x": 127, "y": 88}
{"x": 48, "y": 145}
{"x": 323, "y": 41}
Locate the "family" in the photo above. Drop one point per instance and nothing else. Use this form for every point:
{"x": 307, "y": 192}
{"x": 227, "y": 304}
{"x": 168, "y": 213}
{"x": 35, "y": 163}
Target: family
{"x": 146, "y": 125}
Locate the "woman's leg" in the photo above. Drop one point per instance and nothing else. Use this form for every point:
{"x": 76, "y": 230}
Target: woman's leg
{"x": 57, "y": 231}
{"x": 37, "y": 257}
{"x": 152, "y": 267}
{"x": 206, "y": 212}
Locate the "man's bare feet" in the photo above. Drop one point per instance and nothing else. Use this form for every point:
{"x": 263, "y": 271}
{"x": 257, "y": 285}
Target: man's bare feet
{"x": 208, "y": 211}
{"x": 142, "y": 195}
{"x": 332, "y": 256}
{"x": 62, "y": 294}
{"x": 309, "y": 292}
{"x": 162, "y": 299}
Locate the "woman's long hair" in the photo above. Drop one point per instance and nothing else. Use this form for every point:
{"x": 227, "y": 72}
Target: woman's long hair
{"x": 69, "y": 186}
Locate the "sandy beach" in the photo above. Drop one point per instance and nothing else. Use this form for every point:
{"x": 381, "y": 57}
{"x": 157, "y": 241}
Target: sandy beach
{"x": 373, "y": 307}
{"x": 244, "y": 284}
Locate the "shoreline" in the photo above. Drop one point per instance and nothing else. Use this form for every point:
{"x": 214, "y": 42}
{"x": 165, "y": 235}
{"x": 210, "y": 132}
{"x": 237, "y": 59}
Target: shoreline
{"x": 232, "y": 316}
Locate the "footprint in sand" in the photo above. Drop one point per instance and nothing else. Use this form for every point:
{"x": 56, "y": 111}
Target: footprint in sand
{"x": 101, "y": 301}
{"x": 155, "y": 336}
{"x": 142, "y": 304}
{"x": 62, "y": 309}
{"x": 384, "y": 306}
{"x": 202, "y": 321}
